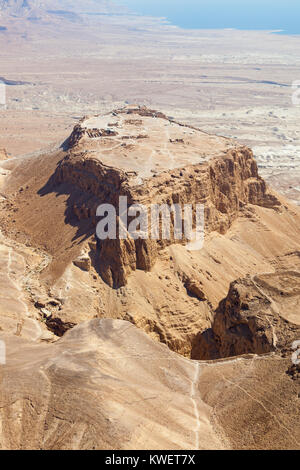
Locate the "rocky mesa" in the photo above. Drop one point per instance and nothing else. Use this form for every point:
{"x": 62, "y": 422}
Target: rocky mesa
{"x": 151, "y": 159}
{"x": 175, "y": 295}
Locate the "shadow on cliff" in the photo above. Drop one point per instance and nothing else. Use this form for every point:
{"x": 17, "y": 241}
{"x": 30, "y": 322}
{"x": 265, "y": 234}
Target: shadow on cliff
{"x": 85, "y": 227}
{"x": 65, "y": 146}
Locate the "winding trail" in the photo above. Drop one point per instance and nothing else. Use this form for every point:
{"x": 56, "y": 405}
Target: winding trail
{"x": 194, "y": 387}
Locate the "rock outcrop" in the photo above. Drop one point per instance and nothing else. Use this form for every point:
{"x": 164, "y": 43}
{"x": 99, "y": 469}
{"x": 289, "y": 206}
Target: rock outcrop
{"x": 259, "y": 315}
{"x": 83, "y": 262}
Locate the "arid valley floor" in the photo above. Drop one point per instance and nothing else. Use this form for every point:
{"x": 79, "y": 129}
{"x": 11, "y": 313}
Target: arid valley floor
{"x": 144, "y": 344}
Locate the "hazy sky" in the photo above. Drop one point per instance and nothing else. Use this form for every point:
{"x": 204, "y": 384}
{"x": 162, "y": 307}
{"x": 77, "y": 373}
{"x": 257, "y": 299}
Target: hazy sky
{"x": 243, "y": 14}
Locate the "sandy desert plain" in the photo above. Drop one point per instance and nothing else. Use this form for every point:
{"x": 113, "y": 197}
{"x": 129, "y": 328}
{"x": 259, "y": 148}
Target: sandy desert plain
{"x": 147, "y": 346}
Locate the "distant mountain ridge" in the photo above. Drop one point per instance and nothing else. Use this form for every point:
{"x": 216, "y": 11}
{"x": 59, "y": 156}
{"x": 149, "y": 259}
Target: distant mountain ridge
{"x": 27, "y": 8}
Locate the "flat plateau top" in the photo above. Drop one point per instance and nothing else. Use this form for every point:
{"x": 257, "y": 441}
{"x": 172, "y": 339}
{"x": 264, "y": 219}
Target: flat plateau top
{"x": 138, "y": 141}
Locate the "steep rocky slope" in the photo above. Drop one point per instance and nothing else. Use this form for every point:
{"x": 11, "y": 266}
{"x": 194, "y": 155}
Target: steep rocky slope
{"x": 107, "y": 385}
{"x": 259, "y": 315}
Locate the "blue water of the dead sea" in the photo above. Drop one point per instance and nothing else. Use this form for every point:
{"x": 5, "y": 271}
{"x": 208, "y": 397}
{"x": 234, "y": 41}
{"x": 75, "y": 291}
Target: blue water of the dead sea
{"x": 282, "y": 16}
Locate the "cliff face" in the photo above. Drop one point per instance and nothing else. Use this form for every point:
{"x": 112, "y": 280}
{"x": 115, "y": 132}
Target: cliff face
{"x": 224, "y": 183}
{"x": 259, "y": 315}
